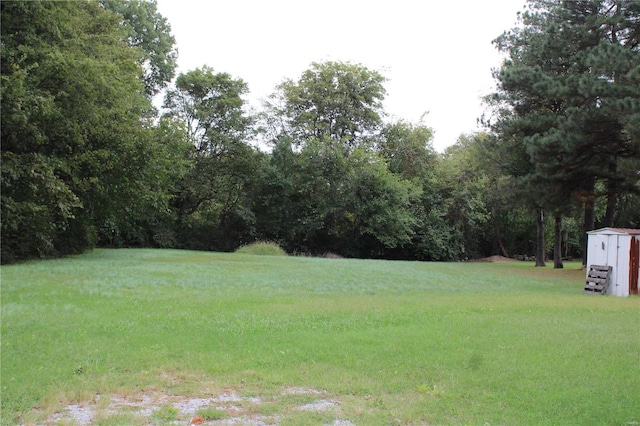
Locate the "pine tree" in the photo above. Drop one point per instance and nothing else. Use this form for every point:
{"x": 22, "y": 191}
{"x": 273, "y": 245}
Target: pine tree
{"x": 569, "y": 94}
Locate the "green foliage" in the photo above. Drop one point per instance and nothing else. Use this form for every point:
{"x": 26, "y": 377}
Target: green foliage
{"x": 336, "y": 101}
{"x": 86, "y": 162}
{"x": 274, "y": 195}
{"x": 210, "y": 106}
{"x": 464, "y": 189}
{"x": 67, "y": 136}
{"x": 166, "y": 413}
{"x": 148, "y": 31}
{"x": 148, "y": 219}
{"x": 210, "y": 414}
{"x": 408, "y": 150}
{"x": 209, "y": 200}
{"x": 36, "y": 205}
{"x": 83, "y": 163}
{"x": 328, "y": 186}
{"x": 568, "y": 93}
{"x": 322, "y": 199}
{"x": 628, "y": 211}
{"x": 380, "y": 204}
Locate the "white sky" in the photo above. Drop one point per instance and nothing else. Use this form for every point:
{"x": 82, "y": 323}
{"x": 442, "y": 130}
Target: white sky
{"x": 436, "y": 54}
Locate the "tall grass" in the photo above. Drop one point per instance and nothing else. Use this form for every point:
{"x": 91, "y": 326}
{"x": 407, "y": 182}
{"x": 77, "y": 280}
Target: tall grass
{"x": 263, "y": 248}
{"x": 395, "y": 342}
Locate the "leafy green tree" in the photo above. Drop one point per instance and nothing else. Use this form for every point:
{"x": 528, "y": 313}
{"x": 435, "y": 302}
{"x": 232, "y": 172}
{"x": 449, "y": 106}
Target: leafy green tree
{"x": 407, "y": 149}
{"x": 462, "y": 184}
{"x": 150, "y": 32}
{"x": 72, "y": 132}
{"x": 210, "y": 107}
{"x": 148, "y": 219}
{"x": 338, "y": 102}
{"x": 339, "y": 193}
{"x": 320, "y": 217}
{"x": 321, "y": 200}
{"x": 37, "y": 205}
{"x": 275, "y": 195}
{"x": 380, "y": 206}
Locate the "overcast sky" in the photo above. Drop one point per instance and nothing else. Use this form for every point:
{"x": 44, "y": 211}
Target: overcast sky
{"x": 437, "y": 55}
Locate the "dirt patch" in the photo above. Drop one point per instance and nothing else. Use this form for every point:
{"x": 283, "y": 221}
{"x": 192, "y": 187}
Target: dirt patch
{"x": 227, "y": 408}
{"x": 495, "y": 259}
{"x": 292, "y": 390}
{"x": 319, "y": 405}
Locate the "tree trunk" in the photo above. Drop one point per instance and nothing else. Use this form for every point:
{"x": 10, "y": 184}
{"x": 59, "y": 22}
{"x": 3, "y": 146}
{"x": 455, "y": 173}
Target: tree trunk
{"x": 540, "y": 240}
{"x": 612, "y": 193}
{"x": 503, "y": 250}
{"x": 587, "y": 196}
{"x": 557, "y": 244}
{"x": 589, "y": 224}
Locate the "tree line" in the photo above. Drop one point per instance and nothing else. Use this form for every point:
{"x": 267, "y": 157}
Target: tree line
{"x": 87, "y": 160}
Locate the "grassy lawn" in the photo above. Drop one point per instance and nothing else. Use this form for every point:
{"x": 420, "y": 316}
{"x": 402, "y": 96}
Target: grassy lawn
{"x": 292, "y": 340}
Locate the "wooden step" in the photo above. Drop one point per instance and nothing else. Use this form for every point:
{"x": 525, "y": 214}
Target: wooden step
{"x": 598, "y": 279}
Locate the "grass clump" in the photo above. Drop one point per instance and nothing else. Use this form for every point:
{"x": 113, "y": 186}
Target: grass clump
{"x": 262, "y": 248}
{"x": 210, "y": 414}
{"x": 166, "y": 413}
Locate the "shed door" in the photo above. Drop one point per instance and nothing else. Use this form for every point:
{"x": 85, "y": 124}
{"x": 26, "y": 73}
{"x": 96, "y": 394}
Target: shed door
{"x": 634, "y": 264}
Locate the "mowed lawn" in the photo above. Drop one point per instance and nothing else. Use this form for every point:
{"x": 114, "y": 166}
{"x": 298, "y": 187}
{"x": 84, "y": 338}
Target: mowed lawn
{"x": 301, "y": 340}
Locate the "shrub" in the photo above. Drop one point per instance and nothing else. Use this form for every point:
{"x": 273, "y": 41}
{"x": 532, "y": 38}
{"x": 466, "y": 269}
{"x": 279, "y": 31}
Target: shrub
{"x": 263, "y": 248}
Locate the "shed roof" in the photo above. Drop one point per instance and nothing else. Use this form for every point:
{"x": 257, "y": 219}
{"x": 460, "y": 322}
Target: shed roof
{"x": 615, "y": 231}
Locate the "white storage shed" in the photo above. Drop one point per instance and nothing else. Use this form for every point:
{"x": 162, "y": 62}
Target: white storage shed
{"x": 618, "y": 249}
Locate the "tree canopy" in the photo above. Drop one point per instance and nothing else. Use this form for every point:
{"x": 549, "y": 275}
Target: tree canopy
{"x": 75, "y": 137}
{"x": 338, "y": 101}
{"x": 568, "y": 103}
{"x": 321, "y": 169}
{"x": 149, "y": 32}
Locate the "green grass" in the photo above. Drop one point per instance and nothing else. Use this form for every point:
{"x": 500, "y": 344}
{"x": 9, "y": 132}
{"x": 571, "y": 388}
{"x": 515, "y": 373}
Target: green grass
{"x": 211, "y": 414}
{"x": 393, "y": 342}
{"x": 166, "y": 413}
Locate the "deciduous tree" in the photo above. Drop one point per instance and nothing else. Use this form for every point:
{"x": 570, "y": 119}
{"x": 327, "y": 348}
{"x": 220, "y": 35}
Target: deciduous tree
{"x": 71, "y": 105}
{"x": 338, "y": 102}
{"x": 210, "y": 107}
{"x": 150, "y": 32}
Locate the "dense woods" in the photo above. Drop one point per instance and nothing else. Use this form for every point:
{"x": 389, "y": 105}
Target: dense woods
{"x": 87, "y": 160}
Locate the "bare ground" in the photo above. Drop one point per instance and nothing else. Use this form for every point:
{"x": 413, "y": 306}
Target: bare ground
{"x": 226, "y": 408}
{"x": 495, "y": 259}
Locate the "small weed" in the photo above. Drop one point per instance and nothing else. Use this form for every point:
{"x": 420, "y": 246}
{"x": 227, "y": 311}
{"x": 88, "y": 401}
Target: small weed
{"x": 431, "y": 390}
{"x": 209, "y": 413}
{"x": 166, "y": 413}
